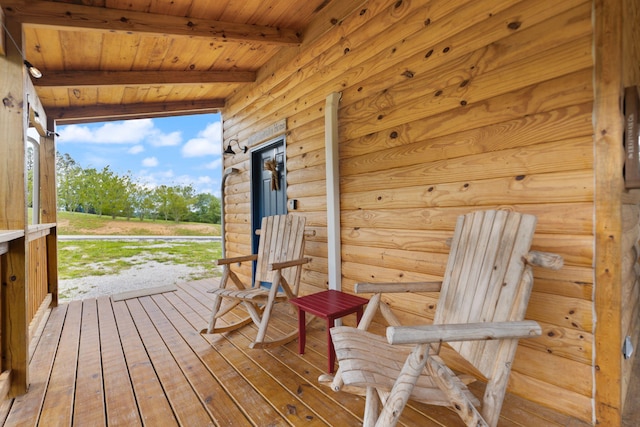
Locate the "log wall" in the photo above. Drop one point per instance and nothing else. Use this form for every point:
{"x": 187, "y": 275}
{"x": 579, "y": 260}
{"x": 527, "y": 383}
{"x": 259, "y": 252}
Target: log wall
{"x": 446, "y": 107}
{"x": 630, "y": 319}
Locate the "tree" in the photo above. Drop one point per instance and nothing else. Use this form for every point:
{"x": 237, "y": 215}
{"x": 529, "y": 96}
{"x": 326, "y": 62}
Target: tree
{"x": 113, "y": 192}
{"x": 180, "y": 199}
{"x": 206, "y": 208}
{"x": 107, "y": 193}
{"x": 144, "y": 202}
{"x": 161, "y": 195}
{"x": 130, "y": 190}
{"x": 90, "y": 191}
{"x": 69, "y": 175}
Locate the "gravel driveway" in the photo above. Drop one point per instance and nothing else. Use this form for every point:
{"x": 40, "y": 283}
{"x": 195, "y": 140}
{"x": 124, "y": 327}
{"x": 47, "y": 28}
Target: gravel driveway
{"x": 150, "y": 274}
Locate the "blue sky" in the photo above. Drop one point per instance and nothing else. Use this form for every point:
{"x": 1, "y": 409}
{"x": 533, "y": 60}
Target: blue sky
{"x": 172, "y": 151}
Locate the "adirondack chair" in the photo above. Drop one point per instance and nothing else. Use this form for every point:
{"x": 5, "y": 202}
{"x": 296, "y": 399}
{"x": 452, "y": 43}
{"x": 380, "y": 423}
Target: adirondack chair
{"x": 278, "y": 266}
{"x": 480, "y": 314}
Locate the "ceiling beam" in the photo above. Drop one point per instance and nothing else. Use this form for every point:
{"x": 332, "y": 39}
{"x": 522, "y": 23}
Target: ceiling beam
{"x": 102, "y": 113}
{"x": 3, "y": 49}
{"x": 56, "y": 14}
{"x": 143, "y": 78}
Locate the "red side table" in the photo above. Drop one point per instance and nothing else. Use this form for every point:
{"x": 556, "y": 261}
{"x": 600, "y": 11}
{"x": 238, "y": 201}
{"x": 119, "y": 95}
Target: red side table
{"x": 329, "y": 305}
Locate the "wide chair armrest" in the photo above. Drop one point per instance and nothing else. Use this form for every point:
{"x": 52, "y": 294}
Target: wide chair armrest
{"x": 286, "y": 264}
{"x": 225, "y": 261}
{"x": 383, "y": 288}
{"x": 426, "y": 334}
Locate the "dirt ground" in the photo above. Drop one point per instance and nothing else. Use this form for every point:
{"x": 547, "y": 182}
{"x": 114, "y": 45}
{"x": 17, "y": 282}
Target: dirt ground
{"x": 134, "y": 227}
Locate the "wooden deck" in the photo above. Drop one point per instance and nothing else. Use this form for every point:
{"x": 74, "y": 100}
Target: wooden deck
{"x": 142, "y": 362}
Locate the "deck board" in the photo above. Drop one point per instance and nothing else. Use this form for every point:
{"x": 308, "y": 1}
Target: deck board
{"x": 25, "y": 409}
{"x": 183, "y": 400}
{"x": 89, "y": 410}
{"x": 141, "y": 361}
{"x": 120, "y": 401}
{"x": 196, "y": 357}
{"x": 263, "y": 411}
{"x": 152, "y": 402}
{"x": 58, "y": 403}
{"x": 187, "y": 362}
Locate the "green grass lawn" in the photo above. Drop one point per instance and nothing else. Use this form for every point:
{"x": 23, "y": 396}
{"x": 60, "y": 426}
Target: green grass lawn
{"x": 74, "y": 223}
{"x": 107, "y": 257}
{"x": 101, "y": 257}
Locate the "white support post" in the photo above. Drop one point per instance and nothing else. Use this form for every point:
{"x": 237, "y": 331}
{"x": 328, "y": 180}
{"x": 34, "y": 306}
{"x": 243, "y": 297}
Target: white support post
{"x": 333, "y": 190}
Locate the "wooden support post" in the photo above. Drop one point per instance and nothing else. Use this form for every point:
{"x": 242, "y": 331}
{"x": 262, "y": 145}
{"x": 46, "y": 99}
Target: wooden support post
{"x": 13, "y": 214}
{"x": 333, "y": 191}
{"x": 48, "y": 205}
{"x": 608, "y": 211}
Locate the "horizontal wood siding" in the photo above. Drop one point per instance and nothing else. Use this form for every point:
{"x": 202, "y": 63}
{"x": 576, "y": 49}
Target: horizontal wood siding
{"x": 446, "y": 107}
{"x": 631, "y": 205}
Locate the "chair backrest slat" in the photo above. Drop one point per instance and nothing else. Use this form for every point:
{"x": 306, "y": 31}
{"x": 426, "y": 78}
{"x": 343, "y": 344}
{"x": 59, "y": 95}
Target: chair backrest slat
{"x": 486, "y": 278}
{"x": 281, "y": 239}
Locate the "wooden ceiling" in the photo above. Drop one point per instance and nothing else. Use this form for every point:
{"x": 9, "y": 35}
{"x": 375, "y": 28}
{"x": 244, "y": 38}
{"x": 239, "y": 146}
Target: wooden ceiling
{"x": 115, "y": 59}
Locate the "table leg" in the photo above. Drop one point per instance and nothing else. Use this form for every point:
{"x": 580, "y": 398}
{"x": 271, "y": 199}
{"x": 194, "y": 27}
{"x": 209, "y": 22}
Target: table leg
{"x": 330, "y": 349}
{"x": 358, "y": 315}
{"x": 302, "y": 331}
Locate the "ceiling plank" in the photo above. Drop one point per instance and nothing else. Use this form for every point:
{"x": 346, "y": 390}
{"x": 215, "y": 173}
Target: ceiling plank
{"x": 88, "y": 18}
{"x": 3, "y": 49}
{"x": 144, "y": 78}
{"x": 101, "y": 113}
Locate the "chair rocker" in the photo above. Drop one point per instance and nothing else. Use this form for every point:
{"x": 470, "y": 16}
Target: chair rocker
{"x": 480, "y": 314}
{"x": 278, "y": 263}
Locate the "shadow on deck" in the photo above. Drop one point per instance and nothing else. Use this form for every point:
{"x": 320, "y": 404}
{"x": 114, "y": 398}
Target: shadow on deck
{"x": 142, "y": 361}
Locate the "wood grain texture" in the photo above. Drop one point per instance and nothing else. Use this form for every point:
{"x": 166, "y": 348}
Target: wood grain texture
{"x": 609, "y": 185}
{"x": 186, "y": 46}
{"x": 452, "y": 110}
{"x": 13, "y": 216}
{"x": 239, "y": 386}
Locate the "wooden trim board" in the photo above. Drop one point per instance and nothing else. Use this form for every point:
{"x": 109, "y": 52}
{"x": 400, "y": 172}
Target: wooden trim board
{"x": 136, "y": 293}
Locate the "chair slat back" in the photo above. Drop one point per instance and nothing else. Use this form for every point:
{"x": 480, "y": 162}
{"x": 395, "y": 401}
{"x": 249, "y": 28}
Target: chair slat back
{"x": 281, "y": 239}
{"x": 486, "y": 279}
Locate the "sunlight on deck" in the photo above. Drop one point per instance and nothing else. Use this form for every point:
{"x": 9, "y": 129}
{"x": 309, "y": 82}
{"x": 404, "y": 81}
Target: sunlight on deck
{"x": 142, "y": 361}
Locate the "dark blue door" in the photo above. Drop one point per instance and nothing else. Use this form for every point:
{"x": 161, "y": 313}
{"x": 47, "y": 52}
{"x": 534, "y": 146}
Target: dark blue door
{"x": 268, "y": 187}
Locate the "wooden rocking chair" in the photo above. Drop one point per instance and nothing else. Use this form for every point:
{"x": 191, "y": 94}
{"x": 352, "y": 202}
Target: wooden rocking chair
{"x": 480, "y": 312}
{"x": 278, "y": 266}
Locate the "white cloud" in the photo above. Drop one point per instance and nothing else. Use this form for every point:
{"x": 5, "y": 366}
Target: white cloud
{"x": 155, "y": 179}
{"x": 199, "y": 147}
{"x": 141, "y": 146}
{"x": 207, "y": 142}
{"x": 96, "y": 161}
{"x": 150, "y": 162}
{"x": 136, "y": 149}
{"x": 212, "y": 131}
{"x": 215, "y": 164}
{"x": 204, "y": 180}
{"x": 75, "y": 133}
{"x": 168, "y": 174}
{"x": 124, "y": 132}
{"x": 165, "y": 139}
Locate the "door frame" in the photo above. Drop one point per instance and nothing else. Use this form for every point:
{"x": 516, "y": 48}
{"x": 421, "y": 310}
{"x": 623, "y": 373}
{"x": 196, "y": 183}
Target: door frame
{"x": 256, "y": 181}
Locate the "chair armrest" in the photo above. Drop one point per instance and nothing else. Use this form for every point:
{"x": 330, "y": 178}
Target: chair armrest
{"x": 544, "y": 259}
{"x": 378, "y": 288}
{"x": 425, "y": 334}
{"x": 285, "y": 264}
{"x": 225, "y": 261}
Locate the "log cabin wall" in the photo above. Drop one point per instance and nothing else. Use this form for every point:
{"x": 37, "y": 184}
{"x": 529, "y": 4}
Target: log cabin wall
{"x": 446, "y": 107}
{"x": 630, "y": 318}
